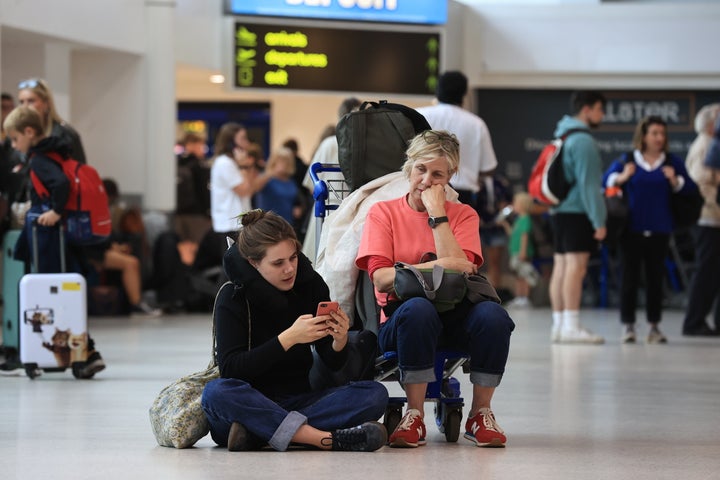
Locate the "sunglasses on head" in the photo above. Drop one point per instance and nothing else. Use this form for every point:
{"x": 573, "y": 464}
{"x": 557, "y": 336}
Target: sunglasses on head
{"x": 31, "y": 83}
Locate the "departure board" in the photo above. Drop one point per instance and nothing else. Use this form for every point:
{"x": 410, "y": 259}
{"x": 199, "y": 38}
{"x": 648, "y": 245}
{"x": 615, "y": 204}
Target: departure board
{"x": 334, "y": 59}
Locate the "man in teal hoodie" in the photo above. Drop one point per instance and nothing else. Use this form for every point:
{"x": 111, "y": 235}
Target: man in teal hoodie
{"x": 579, "y": 220}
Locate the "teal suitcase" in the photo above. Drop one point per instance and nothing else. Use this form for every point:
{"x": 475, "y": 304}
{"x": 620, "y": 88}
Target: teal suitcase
{"x": 13, "y": 270}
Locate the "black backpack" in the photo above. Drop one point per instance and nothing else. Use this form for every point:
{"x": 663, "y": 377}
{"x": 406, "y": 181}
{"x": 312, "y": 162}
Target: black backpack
{"x": 372, "y": 140}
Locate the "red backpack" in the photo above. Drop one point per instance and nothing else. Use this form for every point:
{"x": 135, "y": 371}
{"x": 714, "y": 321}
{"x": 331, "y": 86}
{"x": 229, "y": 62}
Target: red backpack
{"x": 547, "y": 183}
{"x": 87, "y": 214}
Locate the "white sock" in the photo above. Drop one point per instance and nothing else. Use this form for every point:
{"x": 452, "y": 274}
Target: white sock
{"x": 557, "y": 317}
{"x": 571, "y": 319}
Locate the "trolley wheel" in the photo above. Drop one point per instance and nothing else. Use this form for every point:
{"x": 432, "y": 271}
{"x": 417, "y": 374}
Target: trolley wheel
{"x": 393, "y": 415}
{"x": 32, "y": 370}
{"x": 451, "y": 425}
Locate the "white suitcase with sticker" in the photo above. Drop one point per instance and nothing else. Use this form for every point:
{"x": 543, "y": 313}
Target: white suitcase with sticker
{"x": 53, "y": 321}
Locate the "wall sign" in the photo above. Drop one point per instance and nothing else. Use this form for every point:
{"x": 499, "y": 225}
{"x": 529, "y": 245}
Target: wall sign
{"x": 432, "y": 12}
{"x": 522, "y": 121}
{"x": 334, "y": 59}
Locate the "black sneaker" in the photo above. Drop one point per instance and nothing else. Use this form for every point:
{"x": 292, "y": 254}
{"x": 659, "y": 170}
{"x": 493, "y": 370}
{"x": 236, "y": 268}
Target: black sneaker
{"x": 237, "y": 438}
{"x": 12, "y": 369}
{"x": 93, "y": 365}
{"x": 367, "y": 437}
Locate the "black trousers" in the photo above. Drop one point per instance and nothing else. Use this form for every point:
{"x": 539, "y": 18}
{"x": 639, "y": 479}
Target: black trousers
{"x": 705, "y": 283}
{"x": 638, "y": 254}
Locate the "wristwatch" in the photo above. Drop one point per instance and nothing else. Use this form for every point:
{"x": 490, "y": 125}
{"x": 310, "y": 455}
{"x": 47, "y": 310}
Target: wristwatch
{"x": 435, "y": 221}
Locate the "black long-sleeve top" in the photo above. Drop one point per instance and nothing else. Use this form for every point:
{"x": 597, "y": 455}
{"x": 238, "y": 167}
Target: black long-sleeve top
{"x": 50, "y": 173}
{"x": 250, "y": 350}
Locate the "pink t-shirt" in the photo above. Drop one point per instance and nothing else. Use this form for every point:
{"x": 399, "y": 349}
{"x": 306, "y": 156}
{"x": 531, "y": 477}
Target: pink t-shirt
{"x": 398, "y": 233}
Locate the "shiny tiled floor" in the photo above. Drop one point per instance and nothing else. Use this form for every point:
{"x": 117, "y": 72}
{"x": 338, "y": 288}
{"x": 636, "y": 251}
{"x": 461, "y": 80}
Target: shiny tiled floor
{"x": 581, "y": 412}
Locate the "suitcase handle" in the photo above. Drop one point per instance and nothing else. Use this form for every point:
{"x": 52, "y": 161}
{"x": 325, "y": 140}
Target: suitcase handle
{"x": 35, "y": 258}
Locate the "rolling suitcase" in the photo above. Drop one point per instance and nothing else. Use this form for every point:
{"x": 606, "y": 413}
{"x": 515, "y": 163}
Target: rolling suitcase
{"x": 53, "y": 318}
{"x": 13, "y": 270}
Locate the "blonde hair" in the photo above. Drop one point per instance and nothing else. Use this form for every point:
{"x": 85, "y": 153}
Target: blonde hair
{"x": 23, "y": 117}
{"x": 282, "y": 155}
{"x": 525, "y": 200}
{"x": 40, "y": 88}
{"x": 429, "y": 145}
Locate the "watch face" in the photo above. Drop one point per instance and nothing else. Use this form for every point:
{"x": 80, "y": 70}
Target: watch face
{"x": 435, "y": 221}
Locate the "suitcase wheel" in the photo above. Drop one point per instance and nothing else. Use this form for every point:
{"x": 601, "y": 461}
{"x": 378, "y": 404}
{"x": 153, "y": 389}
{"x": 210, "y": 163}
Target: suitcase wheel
{"x": 77, "y": 369}
{"x": 32, "y": 370}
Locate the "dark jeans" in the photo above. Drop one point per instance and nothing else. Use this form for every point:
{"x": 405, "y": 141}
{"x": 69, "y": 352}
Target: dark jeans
{"x": 705, "y": 283}
{"x": 415, "y": 330}
{"x": 228, "y": 400}
{"x": 647, "y": 253}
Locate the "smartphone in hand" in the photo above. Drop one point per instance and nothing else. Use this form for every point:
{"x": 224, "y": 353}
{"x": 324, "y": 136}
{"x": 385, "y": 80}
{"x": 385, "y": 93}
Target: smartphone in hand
{"x": 324, "y": 308}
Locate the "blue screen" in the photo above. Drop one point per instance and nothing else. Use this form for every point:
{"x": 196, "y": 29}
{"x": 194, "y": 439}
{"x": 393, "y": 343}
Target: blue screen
{"x": 392, "y": 11}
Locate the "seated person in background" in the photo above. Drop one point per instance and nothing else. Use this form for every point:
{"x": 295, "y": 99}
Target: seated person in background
{"x": 266, "y": 328}
{"x": 122, "y": 252}
{"x": 280, "y": 192}
{"x": 406, "y": 230}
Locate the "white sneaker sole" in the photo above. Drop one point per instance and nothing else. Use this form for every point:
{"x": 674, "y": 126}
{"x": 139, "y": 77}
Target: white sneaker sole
{"x": 494, "y": 443}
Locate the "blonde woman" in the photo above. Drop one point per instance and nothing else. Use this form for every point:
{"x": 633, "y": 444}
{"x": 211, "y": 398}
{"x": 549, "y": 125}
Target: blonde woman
{"x": 36, "y": 94}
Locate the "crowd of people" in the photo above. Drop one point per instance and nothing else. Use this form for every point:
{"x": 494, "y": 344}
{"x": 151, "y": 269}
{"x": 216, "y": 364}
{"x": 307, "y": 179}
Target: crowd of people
{"x": 246, "y": 214}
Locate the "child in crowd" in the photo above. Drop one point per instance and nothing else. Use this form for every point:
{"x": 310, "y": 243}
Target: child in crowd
{"x": 280, "y": 192}
{"x": 522, "y": 250}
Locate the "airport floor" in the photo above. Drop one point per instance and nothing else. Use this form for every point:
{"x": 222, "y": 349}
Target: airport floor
{"x": 570, "y": 412}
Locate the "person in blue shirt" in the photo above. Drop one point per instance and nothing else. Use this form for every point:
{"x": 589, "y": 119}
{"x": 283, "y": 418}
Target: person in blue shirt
{"x": 648, "y": 177}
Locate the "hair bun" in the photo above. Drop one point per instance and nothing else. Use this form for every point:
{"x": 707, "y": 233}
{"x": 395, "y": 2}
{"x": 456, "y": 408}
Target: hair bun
{"x": 251, "y": 216}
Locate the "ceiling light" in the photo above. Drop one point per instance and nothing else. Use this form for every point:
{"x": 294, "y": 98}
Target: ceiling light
{"x": 217, "y": 78}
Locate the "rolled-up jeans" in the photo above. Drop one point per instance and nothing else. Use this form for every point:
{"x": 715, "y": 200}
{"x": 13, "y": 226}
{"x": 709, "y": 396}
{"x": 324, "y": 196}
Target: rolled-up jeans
{"x": 416, "y": 330}
{"x": 228, "y": 400}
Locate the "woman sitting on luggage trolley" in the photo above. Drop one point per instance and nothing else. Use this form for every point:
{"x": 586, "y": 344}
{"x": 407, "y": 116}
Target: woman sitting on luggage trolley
{"x": 406, "y": 230}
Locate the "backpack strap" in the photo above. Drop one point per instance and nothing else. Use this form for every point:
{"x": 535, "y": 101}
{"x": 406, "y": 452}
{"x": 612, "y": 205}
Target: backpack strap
{"x": 573, "y": 130}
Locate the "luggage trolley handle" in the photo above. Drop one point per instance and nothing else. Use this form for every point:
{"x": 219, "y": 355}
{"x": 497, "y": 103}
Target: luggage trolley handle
{"x": 320, "y": 187}
{"x": 35, "y": 253}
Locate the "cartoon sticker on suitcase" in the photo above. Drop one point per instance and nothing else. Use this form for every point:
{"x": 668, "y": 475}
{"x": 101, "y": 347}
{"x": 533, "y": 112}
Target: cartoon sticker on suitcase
{"x": 37, "y": 317}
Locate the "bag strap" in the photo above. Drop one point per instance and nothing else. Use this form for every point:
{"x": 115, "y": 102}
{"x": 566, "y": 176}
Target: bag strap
{"x": 571, "y": 131}
{"x": 213, "y": 362}
{"x": 437, "y": 277}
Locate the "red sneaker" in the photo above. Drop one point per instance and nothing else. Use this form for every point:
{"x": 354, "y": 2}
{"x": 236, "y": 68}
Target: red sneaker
{"x": 410, "y": 432}
{"x": 483, "y": 430}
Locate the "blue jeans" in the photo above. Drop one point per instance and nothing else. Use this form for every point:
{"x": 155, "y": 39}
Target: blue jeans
{"x": 415, "y": 330}
{"x": 228, "y": 400}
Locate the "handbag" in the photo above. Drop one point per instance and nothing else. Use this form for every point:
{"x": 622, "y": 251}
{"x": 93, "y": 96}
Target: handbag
{"x": 444, "y": 288}
{"x": 176, "y": 415}
{"x": 686, "y": 208}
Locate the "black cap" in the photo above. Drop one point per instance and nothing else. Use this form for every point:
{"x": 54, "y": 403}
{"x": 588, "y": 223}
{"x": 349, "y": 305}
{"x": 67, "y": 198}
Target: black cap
{"x": 452, "y": 87}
